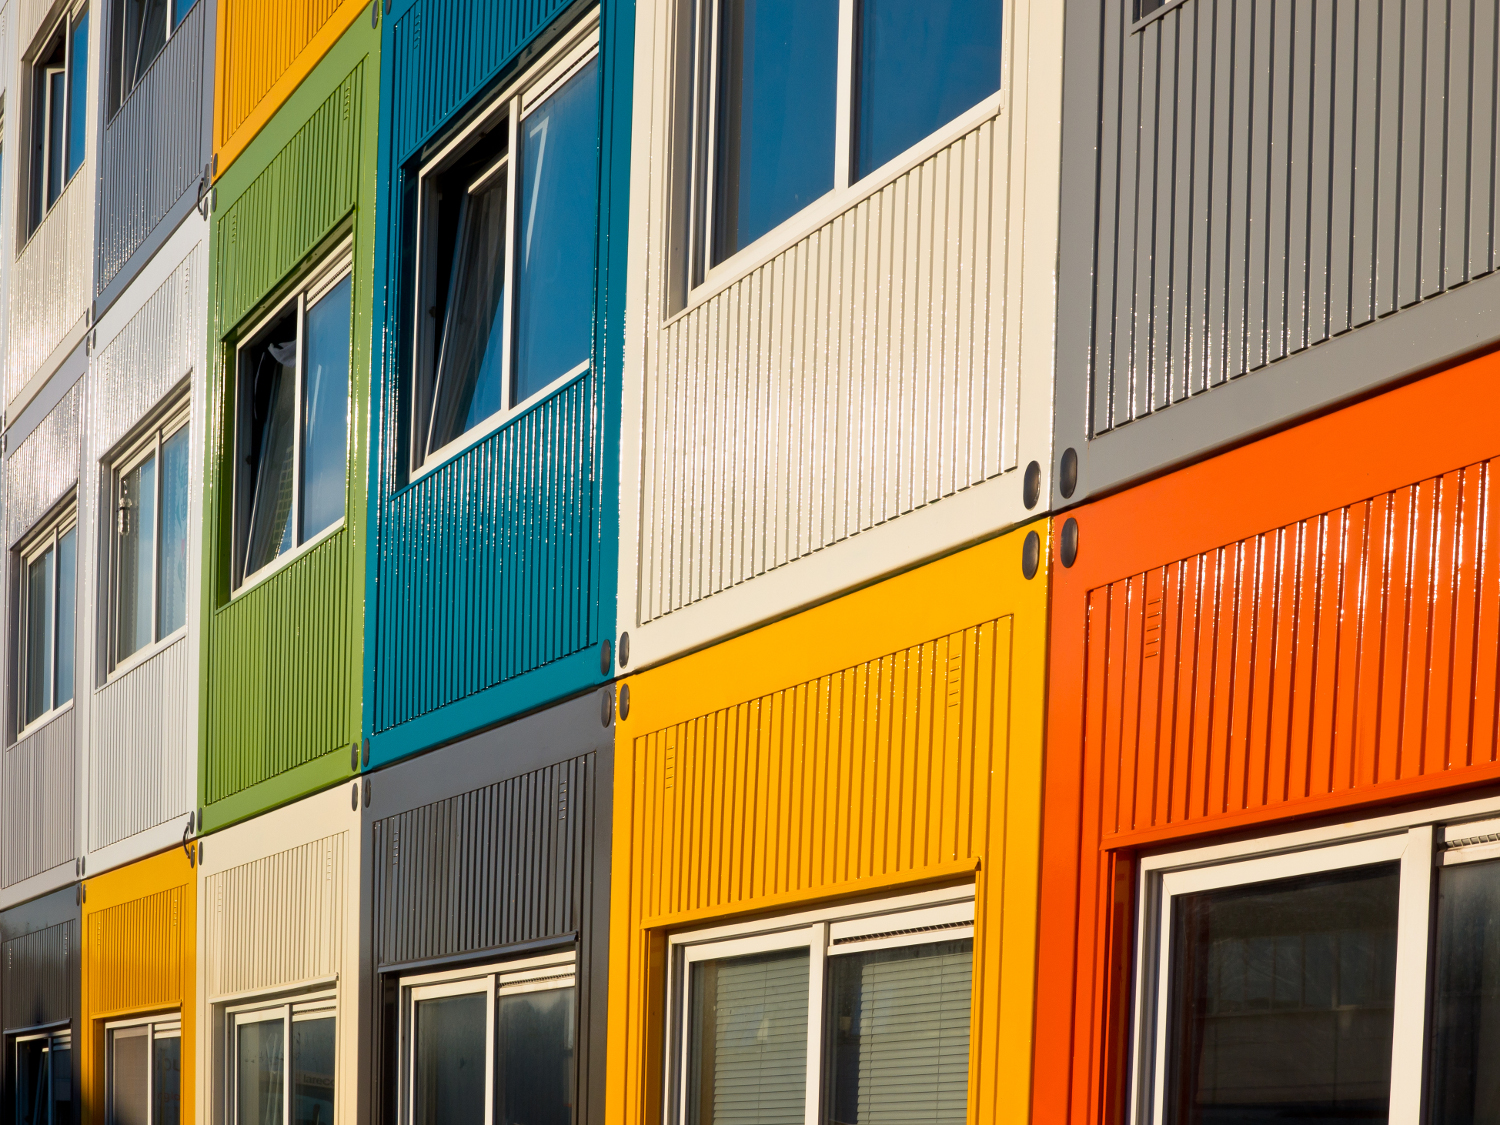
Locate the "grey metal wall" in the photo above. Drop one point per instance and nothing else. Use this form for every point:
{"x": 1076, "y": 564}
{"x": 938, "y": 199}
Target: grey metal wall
{"x": 39, "y": 972}
{"x": 497, "y": 843}
{"x": 1251, "y": 189}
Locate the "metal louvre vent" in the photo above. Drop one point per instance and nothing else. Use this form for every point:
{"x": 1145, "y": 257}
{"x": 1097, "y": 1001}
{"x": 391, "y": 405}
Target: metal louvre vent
{"x": 1486, "y": 838}
{"x": 903, "y": 933}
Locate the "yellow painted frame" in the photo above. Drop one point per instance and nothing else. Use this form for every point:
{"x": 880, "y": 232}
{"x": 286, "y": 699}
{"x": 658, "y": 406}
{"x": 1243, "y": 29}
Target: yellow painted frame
{"x": 139, "y": 957}
{"x": 921, "y": 699}
{"x": 259, "y": 62}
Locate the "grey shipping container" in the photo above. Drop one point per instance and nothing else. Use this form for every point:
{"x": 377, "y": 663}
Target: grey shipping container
{"x": 39, "y": 975}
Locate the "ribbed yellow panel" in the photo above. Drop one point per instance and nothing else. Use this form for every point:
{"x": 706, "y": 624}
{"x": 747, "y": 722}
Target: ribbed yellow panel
{"x": 138, "y": 957}
{"x": 261, "y": 60}
{"x": 886, "y": 740}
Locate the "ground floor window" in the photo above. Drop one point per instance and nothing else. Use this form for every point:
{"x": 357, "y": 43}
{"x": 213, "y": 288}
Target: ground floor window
{"x": 281, "y": 1059}
{"x": 1352, "y": 974}
{"x": 144, "y": 1071}
{"x": 490, "y": 1046}
{"x": 43, "y": 1069}
{"x": 857, "y": 1016}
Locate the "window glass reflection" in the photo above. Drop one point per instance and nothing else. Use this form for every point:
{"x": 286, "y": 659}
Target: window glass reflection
{"x": 129, "y": 1078}
{"x": 325, "y": 410}
{"x": 166, "y": 1079}
{"x": 171, "y": 609}
{"x": 312, "y": 1071}
{"x": 536, "y": 1058}
{"x": 137, "y": 541}
{"x": 451, "y": 1044}
{"x": 259, "y": 1072}
{"x": 1464, "y": 1083}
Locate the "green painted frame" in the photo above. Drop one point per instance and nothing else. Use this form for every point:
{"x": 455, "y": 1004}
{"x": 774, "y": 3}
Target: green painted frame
{"x": 280, "y": 664}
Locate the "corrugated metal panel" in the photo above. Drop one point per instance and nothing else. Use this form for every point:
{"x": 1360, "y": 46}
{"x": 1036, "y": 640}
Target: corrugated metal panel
{"x": 495, "y": 866}
{"x": 1272, "y": 176}
{"x": 445, "y": 51}
{"x": 50, "y": 282}
{"x": 39, "y": 786}
{"x": 135, "y": 953}
{"x": 280, "y": 672}
{"x": 143, "y": 761}
{"x": 30, "y": 15}
{"x": 862, "y": 373}
{"x": 277, "y": 920}
{"x": 487, "y": 564}
{"x": 153, "y": 148}
{"x": 41, "y": 976}
{"x": 44, "y": 467}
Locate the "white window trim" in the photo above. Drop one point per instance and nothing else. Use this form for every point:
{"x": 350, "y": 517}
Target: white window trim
{"x": 267, "y": 1010}
{"x": 149, "y": 444}
{"x": 827, "y": 932}
{"x": 157, "y": 1027}
{"x": 46, "y": 537}
{"x": 514, "y": 103}
{"x": 320, "y": 280}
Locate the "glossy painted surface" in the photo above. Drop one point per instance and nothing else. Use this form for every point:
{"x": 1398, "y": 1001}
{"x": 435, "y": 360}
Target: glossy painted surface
{"x": 281, "y": 665}
{"x": 1303, "y": 626}
{"x": 889, "y": 739}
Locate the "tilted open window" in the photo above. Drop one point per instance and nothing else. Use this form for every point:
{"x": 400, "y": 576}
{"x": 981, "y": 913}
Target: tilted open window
{"x": 59, "y": 113}
{"x": 141, "y": 29}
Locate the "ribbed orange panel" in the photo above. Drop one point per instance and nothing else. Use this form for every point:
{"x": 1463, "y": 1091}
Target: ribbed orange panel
{"x": 262, "y": 57}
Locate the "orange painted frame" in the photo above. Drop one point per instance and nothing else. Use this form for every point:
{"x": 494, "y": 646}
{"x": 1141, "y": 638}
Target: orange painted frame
{"x": 1305, "y": 625}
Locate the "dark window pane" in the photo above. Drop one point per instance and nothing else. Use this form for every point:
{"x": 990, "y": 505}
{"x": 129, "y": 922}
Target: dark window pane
{"x": 143, "y": 36}
{"x": 137, "y": 524}
{"x": 748, "y": 1046}
{"x": 31, "y": 1082}
{"x": 78, "y": 101}
{"x": 1464, "y": 1086}
{"x": 312, "y": 1071}
{"x": 57, "y": 92}
{"x": 555, "y": 267}
{"x": 777, "y": 100}
{"x": 61, "y": 1055}
{"x": 325, "y": 436}
{"x": 180, "y": 10}
{"x": 1144, "y": 8}
{"x": 166, "y": 1079}
{"x": 1281, "y": 1000}
{"x": 129, "y": 1075}
{"x": 67, "y": 610}
{"x": 268, "y": 369}
{"x": 451, "y": 1045}
{"x": 921, "y": 64}
{"x": 260, "y": 1072}
{"x": 899, "y": 1035}
{"x": 39, "y": 579}
{"x": 536, "y": 1058}
{"x": 171, "y": 606}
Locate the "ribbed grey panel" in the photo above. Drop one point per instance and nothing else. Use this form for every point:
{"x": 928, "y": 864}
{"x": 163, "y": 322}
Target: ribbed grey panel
{"x": 40, "y": 976}
{"x": 37, "y": 783}
{"x": 44, "y": 466}
{"x": 495, "y": 866}
{"x": 1270, "y": 175}
{"x": 144, "y": 737}
{"x": 154, "y": 148}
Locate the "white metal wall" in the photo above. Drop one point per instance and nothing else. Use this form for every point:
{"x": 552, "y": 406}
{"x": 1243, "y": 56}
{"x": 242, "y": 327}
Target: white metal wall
{"x": 278, "y": 901}
{"x": 867, "y": 394}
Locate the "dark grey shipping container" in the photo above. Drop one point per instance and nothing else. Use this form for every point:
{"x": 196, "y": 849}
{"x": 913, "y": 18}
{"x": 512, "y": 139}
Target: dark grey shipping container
{"x": 492, "y": 848}
{"x": 1252, "y": 191}
{"x": 39, "y": 979}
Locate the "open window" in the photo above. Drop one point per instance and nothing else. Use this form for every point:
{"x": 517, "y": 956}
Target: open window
{"x": 281, "y": 1063}
{"x": 59, "y": 112}
{"x": 292, "y": 422}
{"x": 492, "y": 1046}
{"x": 507, "y": 214}
{"x": 143, "y": 1072}
{"x": 140, "y": 32}
{"x": 47, "y": 618}
{"x": 42, "y": 1065}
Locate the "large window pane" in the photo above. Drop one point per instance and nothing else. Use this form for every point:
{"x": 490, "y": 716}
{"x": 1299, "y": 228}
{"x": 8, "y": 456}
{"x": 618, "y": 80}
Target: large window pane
{"x": 920, "y": 65}
{"x": 171, "y": 606}
{"x": 1281, "y": 1000}
{"x": 61, "y": 1065}
{"x": 452, "y": 1043}
{"x": 166, "y": 1080}
{"x": 899, "y": 1035}
{"x": 78, "y": 100}
{"x": 129, "y": 1078}
{"x": 312, "y": 1071}
{"x": 39, "y": 580}
{"x": 559, "y": 202}
{"x": 57, "y": 94}
{"x": 269, "y": 433}
{"x": 259, "y": 1072}
{"x": 143, "y": 35}
{"x": 1464, "y": 1087}
{"x": 536, "y": 1058}
{"x": 325, "y": 433}
{"x": 137, "y": 541}
{"x": 777, "y": 102}
{"x": 31, "y": 1082}
{"x": 67, "y": 612}
{"x": 748, "y": 1047}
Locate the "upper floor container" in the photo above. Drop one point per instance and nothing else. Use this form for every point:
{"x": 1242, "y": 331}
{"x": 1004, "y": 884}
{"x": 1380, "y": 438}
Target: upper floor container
{"x": 838, "y": 358}
{"x": 843, "y": 804}
{"x": 1267, "y": 209}
{"x": 39, "y": 975}
{"x": 499, "y": 286}
{"x": 289, "y": 334}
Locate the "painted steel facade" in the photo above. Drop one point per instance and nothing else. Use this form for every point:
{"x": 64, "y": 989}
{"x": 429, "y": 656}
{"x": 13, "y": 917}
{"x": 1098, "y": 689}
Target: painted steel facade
{"x": 39, "y": 976}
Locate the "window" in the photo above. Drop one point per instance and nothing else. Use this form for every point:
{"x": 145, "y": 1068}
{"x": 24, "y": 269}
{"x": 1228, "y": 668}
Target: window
{"x": 292, "y": 436}
{"x": 59, "y": 113}
{"x": 44, "y": 1078}
{"x": 778, "y": 126}
{"x": 144, "y": 1076}
{"x": 1144, "y": 8}
{"x": 281, "y": 1064}
{"x": 49, "y": 567}
{"x": 492, "y": 1046}
{"x": 507, "y": 215}
{"x": 141, "y": 30}
{"x": 861, "y": 1014}
{"x": 150, "y": 520}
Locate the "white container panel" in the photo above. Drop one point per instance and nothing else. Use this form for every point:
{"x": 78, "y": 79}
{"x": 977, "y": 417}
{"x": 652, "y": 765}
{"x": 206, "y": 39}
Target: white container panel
{"x": 39, "y": 790}
{"x": 44, "y": 466}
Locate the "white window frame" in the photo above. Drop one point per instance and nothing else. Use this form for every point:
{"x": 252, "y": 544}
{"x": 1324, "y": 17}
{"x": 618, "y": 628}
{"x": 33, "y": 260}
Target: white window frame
{"x": 545, "y": 972}
{"x": 157, "y": 1027}
{"x": 320, "y": 280}
{"x": 45, "y": 538}
{"x": 52, "y": 1034}
{"x": 147, "y": 445}
{"x": 287, "y": 1011}
{"x": 37, "y": 207}
{"x": 701, "y": 90}
{"x": 925, "y": 917}
{"x": 514, "y": 103}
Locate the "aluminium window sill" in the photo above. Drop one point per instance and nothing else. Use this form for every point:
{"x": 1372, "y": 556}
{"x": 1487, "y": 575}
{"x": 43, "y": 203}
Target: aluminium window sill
{"x": 143, "y": 655}
{"x": 41, "y": 721}
{"x": 284, "y": 560}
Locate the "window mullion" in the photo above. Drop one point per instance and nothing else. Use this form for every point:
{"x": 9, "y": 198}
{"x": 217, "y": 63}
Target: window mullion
{"x": 1408, "y": 1041}
{"x": 710, "y": 126}
{"x": 54, "y": 612}
{"x": 512, "y": 285}
{"x": 816, "y": 965}
{"x": 298, "y": 427}
{"x": 150, "y": 1072}
{"x": 843, "y": 130}
{"x": 286, "y": 1064}
{"x": 156, "y": 541}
